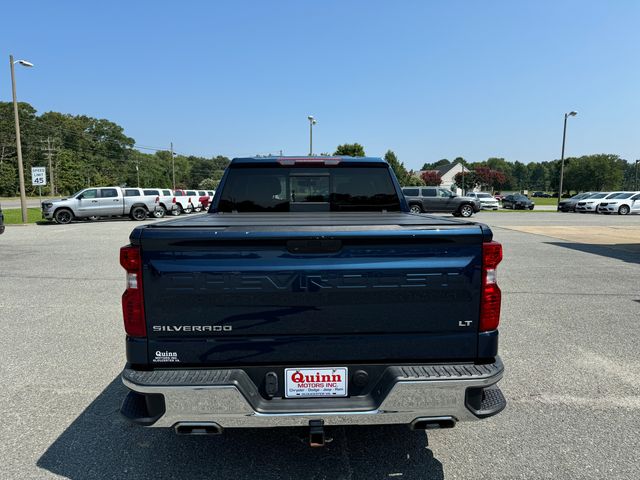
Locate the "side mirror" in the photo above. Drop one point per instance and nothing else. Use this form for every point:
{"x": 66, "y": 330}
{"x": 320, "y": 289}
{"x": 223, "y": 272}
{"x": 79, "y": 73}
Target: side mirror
{"x": 80, "y": 197}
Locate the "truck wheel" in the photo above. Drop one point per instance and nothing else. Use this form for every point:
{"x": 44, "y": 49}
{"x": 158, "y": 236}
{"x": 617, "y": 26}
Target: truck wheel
{"x": 138, "y": 213}
{"x": 176, "y": 210}
{"x": 415, "y": 209}
{"x": 63, "y": 216}
{"x": 197, "y": 209}
{"x": 188, "y": 209}
{"x": 466, "y": 210}
{"x": 159, "y": 212}
{"x": 624, "y": 210}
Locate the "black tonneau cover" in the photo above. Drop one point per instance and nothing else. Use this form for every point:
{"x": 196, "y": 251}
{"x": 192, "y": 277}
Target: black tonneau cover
{"x": 323, "y": 221}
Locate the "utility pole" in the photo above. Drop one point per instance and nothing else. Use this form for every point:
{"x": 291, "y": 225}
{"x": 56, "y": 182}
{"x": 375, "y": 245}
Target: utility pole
{"x": 636, "y": 182}
{"x": 173, "y": 167}
{"x": 50, "y": 151}
{"x": 564, "y": 136}
{"x": 23, "y": 194}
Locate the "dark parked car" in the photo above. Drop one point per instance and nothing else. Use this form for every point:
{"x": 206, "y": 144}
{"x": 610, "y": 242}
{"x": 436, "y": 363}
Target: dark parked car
{"x": 440, "y": 200}
{"x": 517, "y": 201}
{"x": 569, "y": 205}
{"x": 1, "y": 220}
{"x": 541, "y": 195}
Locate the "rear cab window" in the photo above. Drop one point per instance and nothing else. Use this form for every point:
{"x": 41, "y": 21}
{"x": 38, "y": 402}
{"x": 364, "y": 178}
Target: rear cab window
{"x": 131, "y": 192}
{"x": 108, "y": 192}
{"x": 277, "y": 188}
{"x": 411, "y": 192}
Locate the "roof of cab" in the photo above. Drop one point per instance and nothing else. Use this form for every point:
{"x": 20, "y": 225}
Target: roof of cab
{"x": 302, "y": 159}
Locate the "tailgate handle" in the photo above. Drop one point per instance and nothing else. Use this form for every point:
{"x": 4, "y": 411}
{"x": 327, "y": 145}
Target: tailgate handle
{"x": 314, "y": 246}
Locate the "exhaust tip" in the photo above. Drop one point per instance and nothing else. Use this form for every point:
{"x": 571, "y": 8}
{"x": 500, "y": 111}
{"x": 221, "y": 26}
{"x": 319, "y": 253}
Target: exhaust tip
{"x": 432, "y": 423}
{"x": 198, "y": 428}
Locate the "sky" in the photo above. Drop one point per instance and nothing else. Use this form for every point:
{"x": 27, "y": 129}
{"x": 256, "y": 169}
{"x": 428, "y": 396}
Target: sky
{"x": 426, "y": 79}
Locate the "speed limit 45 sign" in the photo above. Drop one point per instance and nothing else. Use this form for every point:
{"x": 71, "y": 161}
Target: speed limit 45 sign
{"x": 38, "y": 176}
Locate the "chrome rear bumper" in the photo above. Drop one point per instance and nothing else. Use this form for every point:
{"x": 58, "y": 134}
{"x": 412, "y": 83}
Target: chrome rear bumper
{"x": 230, "y": 399}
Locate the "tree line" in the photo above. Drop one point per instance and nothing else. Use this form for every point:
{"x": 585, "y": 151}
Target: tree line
{"x": 589, "y": 172}
{"x": 85, "y": 151}
{"x": 601, "y": 171}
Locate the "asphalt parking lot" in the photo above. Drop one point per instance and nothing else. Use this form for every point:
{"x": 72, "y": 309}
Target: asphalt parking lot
{"x": 569, "y": 340}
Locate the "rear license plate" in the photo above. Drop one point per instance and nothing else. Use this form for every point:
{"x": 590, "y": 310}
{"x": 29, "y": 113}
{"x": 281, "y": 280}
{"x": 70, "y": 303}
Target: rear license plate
{"x": 315, "y": 382}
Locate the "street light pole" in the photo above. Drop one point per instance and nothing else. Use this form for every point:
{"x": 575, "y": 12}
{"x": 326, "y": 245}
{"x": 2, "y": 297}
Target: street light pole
{"x": 173, "y": 168}
{"x": 564, "y": 136}
{"x": 636, "y": 182}
{"x": 312, "y": 122}
{"x": 23, "y": 195}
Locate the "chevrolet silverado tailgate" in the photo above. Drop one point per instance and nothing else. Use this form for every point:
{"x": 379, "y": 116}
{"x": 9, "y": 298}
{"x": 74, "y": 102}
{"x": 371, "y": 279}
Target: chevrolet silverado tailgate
{"x": 272, "y": 289}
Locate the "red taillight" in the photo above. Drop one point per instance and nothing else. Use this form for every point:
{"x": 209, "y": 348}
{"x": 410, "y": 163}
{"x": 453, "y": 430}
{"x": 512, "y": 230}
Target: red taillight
{"x": 174, "y": 200}
{"x": 132, "y": 298}
{"x": 157, "y": 199}
{"x": 491, "y": 294}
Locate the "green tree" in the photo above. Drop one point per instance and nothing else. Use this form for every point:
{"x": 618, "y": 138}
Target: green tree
{"x": 436, "y": 165}
{"x": 8, "y": 179}
{"x": 413, "y": 180}
{"x": 520, "y": 176}
{"x": 537, "y": 175}
{"x": 466, "y": 181}
{"x": 629, "y": 177}
{"x": 594, "y": 172}
{"x": 397, "y": 167}
{"x": 212, "y": 182}
{"x": 350, "y": 150}
{"x": 69, "y": 176}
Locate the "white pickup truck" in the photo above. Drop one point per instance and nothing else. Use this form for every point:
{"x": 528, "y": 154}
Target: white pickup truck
{"x": 98, "y": 202}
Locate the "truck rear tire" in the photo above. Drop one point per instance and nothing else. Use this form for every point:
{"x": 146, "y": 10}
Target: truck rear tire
{"x": 138, "y": 213}
{"x": 415, "y": 209}
{"x": 63, "y": 216}
{"x": 159, "y": 212}
{"x": 188, "y": 209}
{"x": 176, "y": 210}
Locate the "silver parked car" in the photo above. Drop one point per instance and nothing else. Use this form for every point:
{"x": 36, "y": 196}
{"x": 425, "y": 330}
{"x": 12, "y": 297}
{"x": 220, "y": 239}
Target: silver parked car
{"x": 487, "y": 201}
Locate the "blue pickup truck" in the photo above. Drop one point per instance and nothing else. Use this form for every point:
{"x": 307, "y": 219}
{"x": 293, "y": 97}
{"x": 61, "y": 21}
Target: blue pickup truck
{"x": 310, "y": 296}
